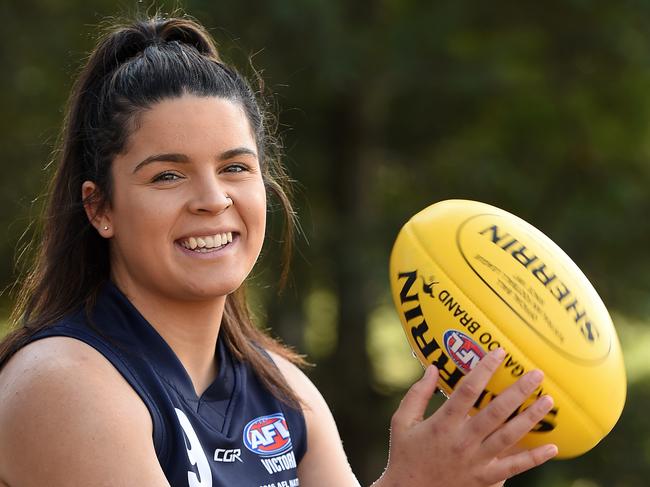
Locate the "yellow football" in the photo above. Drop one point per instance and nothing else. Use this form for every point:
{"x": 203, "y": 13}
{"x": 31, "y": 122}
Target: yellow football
{"x": 467, "y": 277}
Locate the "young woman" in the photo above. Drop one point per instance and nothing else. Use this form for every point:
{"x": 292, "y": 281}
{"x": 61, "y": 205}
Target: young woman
{"x": 135, "y": 362}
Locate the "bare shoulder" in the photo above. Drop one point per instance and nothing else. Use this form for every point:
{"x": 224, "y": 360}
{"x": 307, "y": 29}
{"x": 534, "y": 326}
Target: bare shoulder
{"x": 299, "y": 382}
{"x": 60, "y": 372}
{"x": 67, "y": 417}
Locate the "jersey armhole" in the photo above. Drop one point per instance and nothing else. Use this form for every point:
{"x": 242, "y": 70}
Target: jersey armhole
{"x": 301, "y": 447}
{"x": 292, "y": 413}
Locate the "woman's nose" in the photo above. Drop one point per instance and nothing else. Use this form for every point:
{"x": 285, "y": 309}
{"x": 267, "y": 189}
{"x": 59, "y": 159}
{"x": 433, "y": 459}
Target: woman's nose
{"x": 210, "y": 197}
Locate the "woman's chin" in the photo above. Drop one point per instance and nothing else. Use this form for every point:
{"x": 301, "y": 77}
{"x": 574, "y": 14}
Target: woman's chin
{"x": 195, "y": 292}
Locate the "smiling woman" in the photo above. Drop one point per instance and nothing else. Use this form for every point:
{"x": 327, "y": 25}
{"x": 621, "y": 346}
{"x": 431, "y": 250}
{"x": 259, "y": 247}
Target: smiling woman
{"x": 203, "y": 184}
{"x": 156, "y": 217}
{"x": 207, "y": 183}
{"x": 133, "y": 359}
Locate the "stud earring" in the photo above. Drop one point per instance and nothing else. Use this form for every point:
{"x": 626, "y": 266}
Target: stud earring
{"x": 105, "y": 228}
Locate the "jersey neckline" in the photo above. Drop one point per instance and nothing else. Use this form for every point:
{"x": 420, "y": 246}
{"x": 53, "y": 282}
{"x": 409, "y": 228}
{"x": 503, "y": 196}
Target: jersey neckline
{"x": 163, "y": 358}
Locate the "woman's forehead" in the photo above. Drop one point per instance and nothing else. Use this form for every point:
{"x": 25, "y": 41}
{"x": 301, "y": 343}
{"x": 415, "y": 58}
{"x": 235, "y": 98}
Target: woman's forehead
{"x": 193, "y": 122}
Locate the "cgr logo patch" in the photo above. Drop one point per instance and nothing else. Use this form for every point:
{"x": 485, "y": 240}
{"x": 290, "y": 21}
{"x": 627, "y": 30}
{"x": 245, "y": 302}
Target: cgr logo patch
{"x": 464, "y": 351}
{"x": 267, "y": 435}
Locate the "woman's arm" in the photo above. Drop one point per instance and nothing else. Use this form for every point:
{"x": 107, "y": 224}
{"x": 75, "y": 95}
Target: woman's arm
{"x": 68, "y": 418}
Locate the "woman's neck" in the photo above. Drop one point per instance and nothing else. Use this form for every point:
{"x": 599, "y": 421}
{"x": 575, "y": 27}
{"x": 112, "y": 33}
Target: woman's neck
{"x": 190, "y": 328}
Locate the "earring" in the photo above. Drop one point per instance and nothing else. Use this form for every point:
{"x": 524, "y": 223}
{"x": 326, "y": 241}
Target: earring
{"x": 105, "y": 228}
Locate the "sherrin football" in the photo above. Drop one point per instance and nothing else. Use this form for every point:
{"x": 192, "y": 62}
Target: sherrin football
{"x": 467, "y": 277}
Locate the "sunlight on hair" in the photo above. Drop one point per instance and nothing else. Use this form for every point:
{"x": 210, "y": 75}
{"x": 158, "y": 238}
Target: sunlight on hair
{"x": 321, "y": 309}
{"x": 393, "y": 364}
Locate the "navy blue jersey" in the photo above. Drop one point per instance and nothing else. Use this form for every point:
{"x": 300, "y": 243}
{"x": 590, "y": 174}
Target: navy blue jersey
{"x": 236, "y": 434}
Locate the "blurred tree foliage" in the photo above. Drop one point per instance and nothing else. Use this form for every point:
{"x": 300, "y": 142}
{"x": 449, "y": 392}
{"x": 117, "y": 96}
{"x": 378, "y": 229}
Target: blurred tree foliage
{"x": 385, "y": 107}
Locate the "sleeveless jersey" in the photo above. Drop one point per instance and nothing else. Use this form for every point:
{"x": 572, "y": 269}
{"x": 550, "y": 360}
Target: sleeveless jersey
{"x": 237, "y": 434}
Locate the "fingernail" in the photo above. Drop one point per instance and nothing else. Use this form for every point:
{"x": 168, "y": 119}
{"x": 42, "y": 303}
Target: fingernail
{"x": 536, "y": 376}
{"x": 428, "y": 371}
{"x": 546, "y": 402}
{"x": 499, "y": 353}
{"x": 550, "y": 450}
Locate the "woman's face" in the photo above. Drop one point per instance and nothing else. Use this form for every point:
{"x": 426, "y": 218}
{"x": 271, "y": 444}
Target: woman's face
{"x": 188, "y": 212}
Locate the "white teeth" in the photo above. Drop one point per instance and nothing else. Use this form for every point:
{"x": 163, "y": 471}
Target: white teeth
{"x": 208, "y": 242}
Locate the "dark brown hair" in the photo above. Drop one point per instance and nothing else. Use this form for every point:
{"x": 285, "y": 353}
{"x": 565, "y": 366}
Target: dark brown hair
{"x": 133, "y": 67}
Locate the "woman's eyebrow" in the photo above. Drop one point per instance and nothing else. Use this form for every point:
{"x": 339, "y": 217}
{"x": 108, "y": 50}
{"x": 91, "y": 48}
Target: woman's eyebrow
{"x": 162, "y": 157}
{"x": 239, "y": 151}
{"x": 172, "y": 157}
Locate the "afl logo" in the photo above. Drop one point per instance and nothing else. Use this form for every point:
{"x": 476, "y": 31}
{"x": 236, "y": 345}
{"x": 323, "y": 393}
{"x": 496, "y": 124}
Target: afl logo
{"x": 464, "y": 351}
{"x": 267, "y": 435}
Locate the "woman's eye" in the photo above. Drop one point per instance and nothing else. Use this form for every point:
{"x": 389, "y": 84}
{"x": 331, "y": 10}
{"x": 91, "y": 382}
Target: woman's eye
{"x": 236, "y": 168}
{"x": 166, "y": 177}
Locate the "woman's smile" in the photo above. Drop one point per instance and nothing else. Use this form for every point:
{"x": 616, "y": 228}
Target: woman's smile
{"x": 207, "y": 242}
{"x": 209, "y": 246}
{"x": 190, "y": 174}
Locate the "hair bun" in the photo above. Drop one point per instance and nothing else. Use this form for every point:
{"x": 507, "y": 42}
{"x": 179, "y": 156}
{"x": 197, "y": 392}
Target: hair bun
{"x": 186, "y": 31}
{"x": 128, "y": 41}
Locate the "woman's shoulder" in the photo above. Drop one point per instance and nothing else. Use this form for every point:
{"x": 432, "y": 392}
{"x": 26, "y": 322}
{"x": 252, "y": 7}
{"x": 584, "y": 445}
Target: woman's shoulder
{"x": 58, "y": 376}
{"x": 59, "y": 363}
{"x": 297, "y": 380}
{"x": 61, "y": 399}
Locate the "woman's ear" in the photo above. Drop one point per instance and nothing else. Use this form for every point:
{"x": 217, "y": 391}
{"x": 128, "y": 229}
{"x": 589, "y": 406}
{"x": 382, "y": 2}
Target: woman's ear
{"x": 99, "y": 217}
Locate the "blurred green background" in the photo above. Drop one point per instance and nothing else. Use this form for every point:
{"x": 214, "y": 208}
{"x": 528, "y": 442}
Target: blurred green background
{"x": 541, "y": 108}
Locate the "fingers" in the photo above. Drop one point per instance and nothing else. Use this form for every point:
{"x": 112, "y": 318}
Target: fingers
{"x": 510, "y": 433}
{"x": 463, "y": 398}
{"x": 512, "y": 465}
{"x": 415, "y": 402}
{"x": 501, "y": 408}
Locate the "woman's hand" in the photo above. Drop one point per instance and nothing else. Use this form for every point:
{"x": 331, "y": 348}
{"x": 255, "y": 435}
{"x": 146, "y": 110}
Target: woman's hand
{"x": 451, "y": 448}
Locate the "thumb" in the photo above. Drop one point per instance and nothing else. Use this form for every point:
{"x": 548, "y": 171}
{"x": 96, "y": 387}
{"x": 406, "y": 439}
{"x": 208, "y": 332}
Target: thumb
{"x": 412, "y": 408}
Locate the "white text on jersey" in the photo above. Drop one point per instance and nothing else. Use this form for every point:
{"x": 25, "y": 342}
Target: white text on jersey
{"x": 227, "y": 456}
